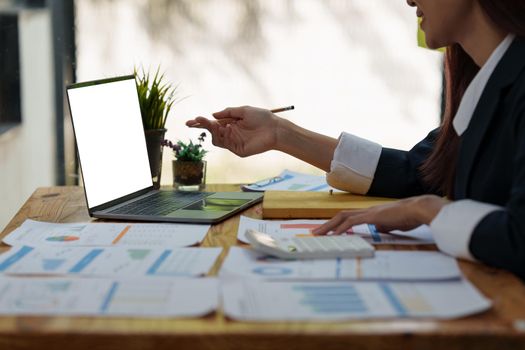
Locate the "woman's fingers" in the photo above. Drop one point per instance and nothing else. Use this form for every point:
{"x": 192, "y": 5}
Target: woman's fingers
{"x": 215, "y": 129}
{"x": 349, "y": 222}
{"x": 331, "y": 224}
{"x": 200, "y": 122}
{"x": 225, "y": 113}
{"x": 227, "y": 121}
{"x": 230, "y": 113}
{"x": 194, "y": 124}
{"x": 402, "y": 215}
{"x": 328, "y": 226}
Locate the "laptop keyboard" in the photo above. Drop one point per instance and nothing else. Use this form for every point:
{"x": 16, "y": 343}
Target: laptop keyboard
{"x": 160, "y": 203}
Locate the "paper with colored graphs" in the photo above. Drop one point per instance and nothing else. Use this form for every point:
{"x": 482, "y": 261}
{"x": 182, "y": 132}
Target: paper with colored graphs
{"x": 37, "y": 233}
{"x": 108, "y": 261}
{"x": 266, "y": 301}
{"x": 298, "y": 228}
{"x": 290, "y": 181}
{"x": 106, "y": 297}
{"x": 385, "y": 265}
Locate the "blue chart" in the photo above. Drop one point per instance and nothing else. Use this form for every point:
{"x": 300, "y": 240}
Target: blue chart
{"x": 272, "y": 271}
{"x": 331, "y": 299}
{"x": 52, "y": 264}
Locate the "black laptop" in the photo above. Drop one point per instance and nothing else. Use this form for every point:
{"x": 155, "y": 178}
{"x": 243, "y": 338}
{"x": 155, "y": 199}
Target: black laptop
{"x": 114, "y": 161}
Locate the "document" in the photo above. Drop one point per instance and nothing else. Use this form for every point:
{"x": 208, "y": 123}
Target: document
{"x": 291, "y": 181}
{"x": 108, "y": 261}
{"x": 385, "y": 265}
{"x": 298, "y": 228}
{"x": 334, "y": 301}
{"x": 106, "y": 297}
{"x": 37, "y": 233}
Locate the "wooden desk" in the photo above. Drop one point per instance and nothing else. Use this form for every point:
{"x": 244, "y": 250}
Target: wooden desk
{"x": 498, "y": 328}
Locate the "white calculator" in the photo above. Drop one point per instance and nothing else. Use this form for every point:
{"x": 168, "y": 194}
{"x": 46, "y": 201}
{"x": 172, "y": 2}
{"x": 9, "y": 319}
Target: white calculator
{"x": 314, "y": 247}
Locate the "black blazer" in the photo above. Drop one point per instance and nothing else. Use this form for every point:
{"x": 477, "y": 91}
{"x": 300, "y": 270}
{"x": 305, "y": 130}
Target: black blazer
{"x": 490, "y": 167}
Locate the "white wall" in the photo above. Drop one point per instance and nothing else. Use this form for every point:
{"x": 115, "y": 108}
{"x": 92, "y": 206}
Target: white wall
{"x": 27, "y": 153}
{"x": 349, "y": 65}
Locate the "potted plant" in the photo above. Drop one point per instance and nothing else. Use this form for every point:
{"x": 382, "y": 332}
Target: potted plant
{"x": 189, "y": 166}
{"x": 155, "y": 99}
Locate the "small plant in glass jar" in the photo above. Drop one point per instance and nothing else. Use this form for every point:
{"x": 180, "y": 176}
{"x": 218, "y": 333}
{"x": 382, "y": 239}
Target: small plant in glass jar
{"x": 189, "y": 166}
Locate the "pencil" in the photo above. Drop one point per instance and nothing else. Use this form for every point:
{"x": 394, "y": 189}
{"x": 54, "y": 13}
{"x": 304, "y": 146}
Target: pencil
{"x": 282, "y": 109}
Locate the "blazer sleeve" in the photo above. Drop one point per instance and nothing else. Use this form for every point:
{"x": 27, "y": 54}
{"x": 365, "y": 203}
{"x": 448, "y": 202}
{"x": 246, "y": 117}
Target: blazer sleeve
{"x": 397, "y": 174}
{"x": 499, "y": 238}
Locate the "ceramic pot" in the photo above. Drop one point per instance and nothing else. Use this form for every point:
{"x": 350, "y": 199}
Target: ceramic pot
{"x": 154, "y": 138}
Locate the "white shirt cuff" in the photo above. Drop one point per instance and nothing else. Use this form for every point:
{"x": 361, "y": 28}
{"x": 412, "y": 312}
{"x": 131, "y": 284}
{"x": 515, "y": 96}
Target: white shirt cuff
{"x": 354, "y": 164}
{"x": 455, "y": 223}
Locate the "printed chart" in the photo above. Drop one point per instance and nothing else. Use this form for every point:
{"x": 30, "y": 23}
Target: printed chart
{"x": 108, "y": 261}
{"x": 106, "y": 297}
{"x": 290, "y": 181}
{"x": 329, "y": 301}
{"x": 385, "y": 265}
{"x": 37, "y": 233}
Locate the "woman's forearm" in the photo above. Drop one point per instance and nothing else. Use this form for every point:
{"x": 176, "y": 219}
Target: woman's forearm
{"x": 427, "y": 207}
{"x": 309, "y": 146}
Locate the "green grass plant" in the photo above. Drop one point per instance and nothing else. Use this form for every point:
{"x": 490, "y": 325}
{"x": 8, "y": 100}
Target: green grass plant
{"x": 156, "y": 97}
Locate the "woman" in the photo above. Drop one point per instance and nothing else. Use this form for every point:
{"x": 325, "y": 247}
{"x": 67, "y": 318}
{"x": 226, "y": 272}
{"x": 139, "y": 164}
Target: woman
{"x": 476, "y": 158}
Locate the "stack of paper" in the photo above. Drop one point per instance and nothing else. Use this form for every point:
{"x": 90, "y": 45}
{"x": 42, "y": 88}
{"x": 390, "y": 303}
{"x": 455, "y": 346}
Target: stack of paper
{"x": 256, "y": 287}
{"x": 298, "y": 228}
{"x": 134, "y": 260}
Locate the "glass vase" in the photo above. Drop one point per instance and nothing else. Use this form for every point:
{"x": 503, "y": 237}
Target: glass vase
{"x": 189, "y": 175}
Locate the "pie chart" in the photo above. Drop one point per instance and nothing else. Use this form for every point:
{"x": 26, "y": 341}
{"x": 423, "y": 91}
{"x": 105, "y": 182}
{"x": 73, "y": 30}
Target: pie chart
{"x": 62, "y": 238}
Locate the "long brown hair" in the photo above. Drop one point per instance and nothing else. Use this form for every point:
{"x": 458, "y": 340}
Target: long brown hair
{"x": 439, "y": 169}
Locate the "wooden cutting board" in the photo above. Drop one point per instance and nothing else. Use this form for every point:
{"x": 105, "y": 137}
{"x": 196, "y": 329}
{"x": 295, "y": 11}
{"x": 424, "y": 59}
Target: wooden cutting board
{"x": 314, "y": 205}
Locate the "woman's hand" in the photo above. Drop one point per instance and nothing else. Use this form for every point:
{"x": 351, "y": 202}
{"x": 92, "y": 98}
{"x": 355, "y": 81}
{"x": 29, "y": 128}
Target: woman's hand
{"x": 243, "y": 130}
{"x": 402, "y": 215}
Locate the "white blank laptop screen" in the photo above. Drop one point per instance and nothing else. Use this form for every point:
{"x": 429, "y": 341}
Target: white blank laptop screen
{"x": 110, "y": 140}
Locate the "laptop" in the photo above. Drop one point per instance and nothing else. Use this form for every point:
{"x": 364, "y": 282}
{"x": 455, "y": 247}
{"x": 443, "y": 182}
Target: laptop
{"x": 113, "y": 157}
